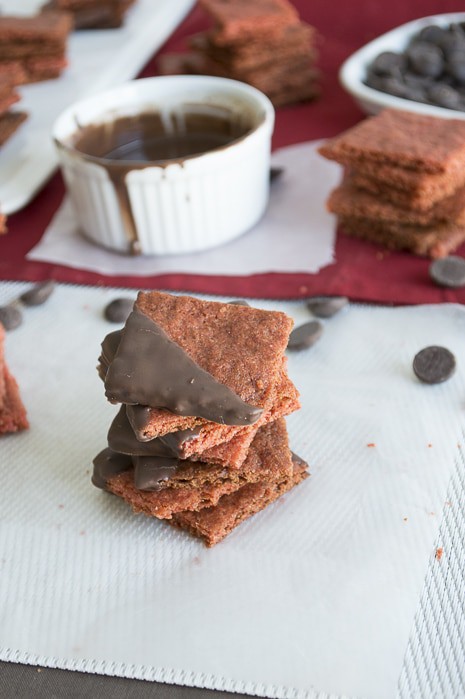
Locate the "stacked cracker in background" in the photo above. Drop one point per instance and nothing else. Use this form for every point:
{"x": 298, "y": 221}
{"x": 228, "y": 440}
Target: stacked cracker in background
{"x": 404, "y": 183}
{"x": 10, "y": 119}
{"x": 93, "y": 14}
{"x": 34, "y": 47}
{"x": 217, "y": 452}
{"x": 12, "y": 411}
{"x": 262, "y": 43}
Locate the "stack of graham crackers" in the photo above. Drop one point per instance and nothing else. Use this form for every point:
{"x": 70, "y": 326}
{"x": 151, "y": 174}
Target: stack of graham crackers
{"x": 34, "y": 48}
{"x": 93, "y": 14}
{"x": 10, "y": 119}
{"x": 12, "y": 411}
{"x": 200, "y": 438}
{"x": 404, "y": 184}
{"x": 262, "y": 43}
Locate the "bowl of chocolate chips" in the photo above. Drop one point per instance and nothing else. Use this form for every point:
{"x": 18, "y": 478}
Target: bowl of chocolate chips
{"x": 417, "y": 67}
{"x": 167, "y": 165}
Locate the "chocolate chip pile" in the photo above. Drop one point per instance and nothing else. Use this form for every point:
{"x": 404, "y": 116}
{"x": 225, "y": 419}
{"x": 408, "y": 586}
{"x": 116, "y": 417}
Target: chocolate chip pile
{"x": 431, "y": 70}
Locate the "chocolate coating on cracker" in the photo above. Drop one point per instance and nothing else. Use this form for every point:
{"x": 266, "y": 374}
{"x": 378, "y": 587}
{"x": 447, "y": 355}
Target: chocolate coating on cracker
{"x": 121, "y": 438}
{"x": 434, "y": 364}
{"x": 150, "y": 369}
{"x": 108, "y": 464}
{"x": 151, "y": 472}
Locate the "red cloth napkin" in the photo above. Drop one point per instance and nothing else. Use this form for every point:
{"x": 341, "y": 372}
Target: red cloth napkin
{"x": 362, "y": 271}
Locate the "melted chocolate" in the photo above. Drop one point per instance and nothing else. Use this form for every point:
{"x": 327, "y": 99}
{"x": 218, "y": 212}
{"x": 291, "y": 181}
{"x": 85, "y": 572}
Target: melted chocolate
{"x": 151, "y": 472}
{"x": 121, "y": 438}
{"x": 109, "y": 346}
{"x": 139, "y": 419}
{"x": 150, "y": 369}
{"x": 108, "y": 464}
{"x": 140, "y": 140}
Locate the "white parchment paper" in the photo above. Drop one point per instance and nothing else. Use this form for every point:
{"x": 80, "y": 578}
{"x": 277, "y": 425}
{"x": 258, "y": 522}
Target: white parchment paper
{"x": 296, "y": 233}
{"x": 314, "y": 596}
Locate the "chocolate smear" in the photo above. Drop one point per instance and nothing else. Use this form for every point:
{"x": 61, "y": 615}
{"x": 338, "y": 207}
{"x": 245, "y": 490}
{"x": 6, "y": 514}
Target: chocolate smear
{"x": 107, "y": 465}
{"x": 150, "y": 472}
{"x": 150, "y": 369}
{"x": 121, "y": 438}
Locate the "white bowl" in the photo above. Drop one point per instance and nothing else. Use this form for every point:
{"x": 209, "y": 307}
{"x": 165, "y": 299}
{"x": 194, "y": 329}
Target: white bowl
{"x": 354, "y": 69}
{"x": 177, "y": 206}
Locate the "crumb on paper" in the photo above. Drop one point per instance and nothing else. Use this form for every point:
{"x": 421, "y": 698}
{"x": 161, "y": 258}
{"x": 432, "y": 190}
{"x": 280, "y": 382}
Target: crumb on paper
{"x": 371, "y": 444}
{"x": 405, "y": 519}
{"x": 429, "y": 446}
{"x": 438, "y": 554}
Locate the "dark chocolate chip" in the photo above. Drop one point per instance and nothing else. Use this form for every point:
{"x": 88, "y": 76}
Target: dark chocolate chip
{"x": 305, "y": 335}
{"x": 456, "y": 69}
{"x": 448, "y": 271}
{"x": 388, "y": 63}
{"x": 118, "y": 310}
{"x": 10, "y": 317}
{"x": 394, "y": 86}
{"x": 275, "y": 173}
{"x": 434, "y": 364}
{"x": 432, "y": 33}
{"x": 239, "y": 302}
{"x": 326, "y": 306}
{"x": 444, "y": 96}
{"x": 425, "y": 59}
{"x": 38, "y": 294}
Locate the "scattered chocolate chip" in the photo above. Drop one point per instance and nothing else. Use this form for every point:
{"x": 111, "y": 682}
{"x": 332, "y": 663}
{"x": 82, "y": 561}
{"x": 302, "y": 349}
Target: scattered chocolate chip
{"x": 326, "y": 306}
{"x": 434, "y": 364}
{"x": 10, "y": 317}
{"x": 305, "y": 335}
{"x": 448, "y": 271}
{"x": 38, "y": 294}
{"x": 118, "y": 310}
{"x": 275, "y": 173}
{"x": 239, "y": 302}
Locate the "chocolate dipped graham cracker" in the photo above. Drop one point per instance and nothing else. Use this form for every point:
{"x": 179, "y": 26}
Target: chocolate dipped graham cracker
{"x": 222, "y": 371}
{"x": 160, "y": 486}
{"x": 203, "y": 387}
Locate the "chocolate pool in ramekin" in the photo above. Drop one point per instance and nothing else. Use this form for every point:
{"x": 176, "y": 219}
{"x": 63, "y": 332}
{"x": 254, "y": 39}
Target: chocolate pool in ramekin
{"x": 167, "y": 165}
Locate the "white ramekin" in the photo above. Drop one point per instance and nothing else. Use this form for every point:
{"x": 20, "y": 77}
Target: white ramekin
{"x": 202, "y": 202}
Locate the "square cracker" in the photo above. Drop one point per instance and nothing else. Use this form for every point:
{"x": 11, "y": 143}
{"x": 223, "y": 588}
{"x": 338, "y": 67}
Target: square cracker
{"x": 212, "y": 524}
{"x": 240, "y": 346}
{"x": 401, "y": 139}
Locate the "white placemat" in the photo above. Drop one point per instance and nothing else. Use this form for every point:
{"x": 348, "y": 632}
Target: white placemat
{"x": 296, "y": 234}
{"x": 314, "y": 597}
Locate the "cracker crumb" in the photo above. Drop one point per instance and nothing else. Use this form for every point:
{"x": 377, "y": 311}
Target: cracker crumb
{"x": 429, "y": 446}
{"x": 371, "y": 444}
{"x": 438, "y": 554}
